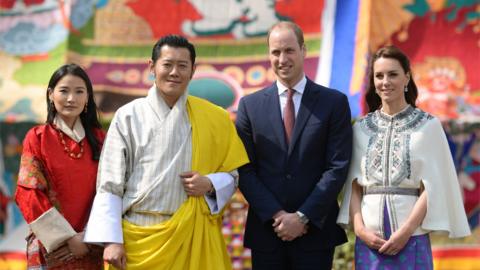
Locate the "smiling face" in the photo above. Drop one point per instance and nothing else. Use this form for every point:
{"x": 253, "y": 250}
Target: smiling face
{"x": 390, "y": 80}
{"x": 173, "y": 70}
{"x": 286, "y": 56}
{"x": 69, "y": 97}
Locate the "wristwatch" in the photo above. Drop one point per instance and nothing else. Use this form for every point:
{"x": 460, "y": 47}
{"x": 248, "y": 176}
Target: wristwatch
{"x": 303, "y": 219}
{"x": 211, "y": 193}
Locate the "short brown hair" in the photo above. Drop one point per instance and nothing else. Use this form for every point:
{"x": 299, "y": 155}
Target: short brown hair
{"x": 290, "y": 25}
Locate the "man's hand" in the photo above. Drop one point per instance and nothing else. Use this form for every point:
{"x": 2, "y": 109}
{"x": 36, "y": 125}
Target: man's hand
{"x": 195, "y": 184}
{"x": 114, "y": 254}
{"x": 278, "y": 214}
{"x": 288, "y": 226}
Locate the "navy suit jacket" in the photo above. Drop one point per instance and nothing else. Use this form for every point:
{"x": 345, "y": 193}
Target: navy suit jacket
{"x": 305, "y": 175}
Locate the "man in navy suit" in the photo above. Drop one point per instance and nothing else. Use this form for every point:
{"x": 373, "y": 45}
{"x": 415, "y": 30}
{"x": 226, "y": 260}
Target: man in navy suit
{"x": 298, "y": 136}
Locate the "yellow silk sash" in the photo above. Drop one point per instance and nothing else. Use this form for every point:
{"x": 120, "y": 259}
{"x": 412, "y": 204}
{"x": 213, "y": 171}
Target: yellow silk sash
{"x": 192, "y": 238}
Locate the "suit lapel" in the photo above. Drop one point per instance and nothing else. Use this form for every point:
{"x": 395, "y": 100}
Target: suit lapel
{"x": 309, "y": 98}
{"x": 275, "y": 117}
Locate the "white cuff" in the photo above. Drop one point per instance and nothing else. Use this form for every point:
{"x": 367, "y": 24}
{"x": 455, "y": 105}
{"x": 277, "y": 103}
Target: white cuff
{"x": 224, "y": 184}
{"x": 105, "y": 222}
{"x": 52, "y": 229}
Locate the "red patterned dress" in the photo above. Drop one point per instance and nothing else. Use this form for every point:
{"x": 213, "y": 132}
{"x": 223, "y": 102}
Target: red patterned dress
{"x": 50, "y": 177}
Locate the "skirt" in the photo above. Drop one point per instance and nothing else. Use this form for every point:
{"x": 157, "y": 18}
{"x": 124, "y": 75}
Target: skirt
{"x": 416, "y": 255}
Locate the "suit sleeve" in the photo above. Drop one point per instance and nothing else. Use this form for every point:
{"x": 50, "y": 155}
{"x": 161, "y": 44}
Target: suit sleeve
{"x": 260, "y": 199}
{"x": 337, "y": 155}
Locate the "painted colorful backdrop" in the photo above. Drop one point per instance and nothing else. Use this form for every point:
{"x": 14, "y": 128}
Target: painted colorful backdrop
{"x": 112, "y": 39}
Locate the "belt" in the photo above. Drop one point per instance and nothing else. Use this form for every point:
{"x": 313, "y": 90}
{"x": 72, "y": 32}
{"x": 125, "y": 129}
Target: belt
{"x": 391, "y": 191}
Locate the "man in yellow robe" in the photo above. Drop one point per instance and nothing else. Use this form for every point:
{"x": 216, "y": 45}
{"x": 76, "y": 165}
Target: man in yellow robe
{"x": 167, "y": 169}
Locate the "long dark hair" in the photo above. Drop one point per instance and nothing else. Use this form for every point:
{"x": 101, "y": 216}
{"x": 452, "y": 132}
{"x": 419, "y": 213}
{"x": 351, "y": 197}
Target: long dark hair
{"x": 371, "y": 98}
{"x": 89, "y": 119}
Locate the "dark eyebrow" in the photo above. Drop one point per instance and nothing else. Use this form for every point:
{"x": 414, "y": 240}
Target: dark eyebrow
{"x": 389, "y": 71}
{"x": 68, "y": 87}
{"x": 171, "y": 60}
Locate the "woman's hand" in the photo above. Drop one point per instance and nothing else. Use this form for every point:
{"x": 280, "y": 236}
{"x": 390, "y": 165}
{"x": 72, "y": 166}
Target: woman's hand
{"x": 62, "y": 253}
{"x": 396, "y": 243}
{"x": 76, "y": 245}
{"x": 399, "y": 239}
{"x": 372, "y": 239}
{"x": 114, "y": 254}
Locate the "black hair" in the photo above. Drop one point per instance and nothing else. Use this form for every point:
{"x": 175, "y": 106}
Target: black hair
{"x": 175, "y": 41}
{"x": 89, "y": 118}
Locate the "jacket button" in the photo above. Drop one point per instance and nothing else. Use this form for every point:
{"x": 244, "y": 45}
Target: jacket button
{"x": 289, "y": 176}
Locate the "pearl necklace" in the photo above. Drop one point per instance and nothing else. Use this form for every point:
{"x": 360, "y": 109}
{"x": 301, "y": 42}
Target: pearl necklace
{"x": 67, "y": 150}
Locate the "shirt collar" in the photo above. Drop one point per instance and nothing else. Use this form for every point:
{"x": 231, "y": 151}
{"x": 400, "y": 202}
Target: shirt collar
{"x": 160, "y": 106}
{"x": 299, "y": 87}
{"x": 404, "y": 113}
{"x": 77, "y": 133}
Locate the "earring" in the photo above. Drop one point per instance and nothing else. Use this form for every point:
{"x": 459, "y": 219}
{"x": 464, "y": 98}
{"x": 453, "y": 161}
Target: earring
{"x": 85, "y": 109}
{"x": 405, "y": 89}
{"x": 151, "y": 76}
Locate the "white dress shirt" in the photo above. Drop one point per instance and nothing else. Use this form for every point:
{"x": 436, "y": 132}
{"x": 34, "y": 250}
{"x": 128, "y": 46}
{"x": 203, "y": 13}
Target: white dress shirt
{"x": 297, "y": 96}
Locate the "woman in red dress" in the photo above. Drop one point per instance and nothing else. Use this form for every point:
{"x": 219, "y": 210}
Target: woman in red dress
{"x": 57, "y": 178}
